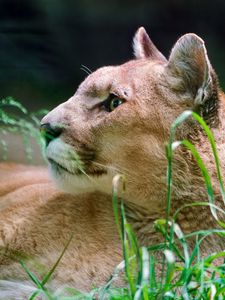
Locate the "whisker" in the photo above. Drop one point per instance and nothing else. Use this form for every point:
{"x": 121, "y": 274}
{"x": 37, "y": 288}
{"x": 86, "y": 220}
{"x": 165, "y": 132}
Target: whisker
{"x": 118, "y": 170}
{"x": 105, "y": 166}
{"x": 86, "y": 69}
{"x": 82, "y": 171}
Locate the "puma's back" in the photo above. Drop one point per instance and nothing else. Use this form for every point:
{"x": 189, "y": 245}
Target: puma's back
{"x": 118, "y": 121}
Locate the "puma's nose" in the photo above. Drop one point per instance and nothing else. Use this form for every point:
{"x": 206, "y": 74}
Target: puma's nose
{"x": 50, "y": 132}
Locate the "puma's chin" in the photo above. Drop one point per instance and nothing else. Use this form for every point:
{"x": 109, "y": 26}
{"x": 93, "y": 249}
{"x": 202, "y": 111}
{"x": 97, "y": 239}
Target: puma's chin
{"x": 73, "y": 175}
{"x": 76, "y": 184}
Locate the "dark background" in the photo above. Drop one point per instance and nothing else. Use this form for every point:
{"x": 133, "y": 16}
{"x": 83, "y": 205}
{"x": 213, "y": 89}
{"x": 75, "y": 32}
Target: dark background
{"x": 43, "y": 43}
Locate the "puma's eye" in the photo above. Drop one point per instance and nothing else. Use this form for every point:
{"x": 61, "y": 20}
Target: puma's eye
{"x": 112, "y": 103}
{"x": 115, "y": 102}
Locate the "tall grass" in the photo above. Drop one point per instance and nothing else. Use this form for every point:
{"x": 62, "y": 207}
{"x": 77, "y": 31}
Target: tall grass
{"x": 194, "y": 277}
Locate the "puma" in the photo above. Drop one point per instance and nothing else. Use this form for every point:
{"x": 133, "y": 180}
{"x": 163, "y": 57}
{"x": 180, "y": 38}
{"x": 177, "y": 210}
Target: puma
{"x": 117, "y": 122}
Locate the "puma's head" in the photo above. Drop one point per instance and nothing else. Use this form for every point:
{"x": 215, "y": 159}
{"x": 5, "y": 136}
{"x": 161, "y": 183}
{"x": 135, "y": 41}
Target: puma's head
{"x": 119, "y": 118}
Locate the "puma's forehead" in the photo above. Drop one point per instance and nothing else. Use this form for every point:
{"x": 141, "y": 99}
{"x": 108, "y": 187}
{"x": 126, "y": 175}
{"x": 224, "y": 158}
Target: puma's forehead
{"x": 121, "y": 80}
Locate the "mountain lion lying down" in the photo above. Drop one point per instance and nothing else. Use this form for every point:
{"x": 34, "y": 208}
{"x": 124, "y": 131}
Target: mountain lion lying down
{"x": 118, "y": 121}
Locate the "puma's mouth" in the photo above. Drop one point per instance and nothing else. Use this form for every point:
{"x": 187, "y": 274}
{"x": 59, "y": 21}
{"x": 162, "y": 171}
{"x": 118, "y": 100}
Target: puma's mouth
{"x": 64, "y": 160}
{"x": 59, "y": 168}
{"x": 77, "y": 171}
{"x": 96, "y": 172}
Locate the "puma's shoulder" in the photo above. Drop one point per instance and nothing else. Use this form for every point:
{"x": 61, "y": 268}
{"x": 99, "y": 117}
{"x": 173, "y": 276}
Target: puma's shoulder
{"x": 14, "y": 176}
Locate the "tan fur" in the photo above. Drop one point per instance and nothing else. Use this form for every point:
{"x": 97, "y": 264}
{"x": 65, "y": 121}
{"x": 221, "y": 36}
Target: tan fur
{"x": 37, "y": 219}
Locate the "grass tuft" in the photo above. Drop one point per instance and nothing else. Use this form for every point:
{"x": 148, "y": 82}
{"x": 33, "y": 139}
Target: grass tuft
{"x": 14, "y": 118}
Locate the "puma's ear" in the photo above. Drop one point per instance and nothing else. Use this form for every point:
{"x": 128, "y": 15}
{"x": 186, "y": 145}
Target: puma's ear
{"x": 144, "y": 48}
{"x": 189, "y": 68}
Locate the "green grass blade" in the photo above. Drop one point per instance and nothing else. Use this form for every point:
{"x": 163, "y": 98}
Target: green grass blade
{"x": 152, "y": 274}
{"x": 170, "y": 259}
{"x": 35, "y": 294}
{"x": 126, "y": 253}
{"x": 145, "y": 265}
{"x": 205, "y": 174}
{"x": 31, "y": 275}
{"x": 116, "y": 184}
{"x": 49, "y": 274}
{"x": 214, "y": 150}
{"x": 41, "y": 288}
{"x": 169, "y": 155}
